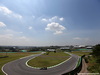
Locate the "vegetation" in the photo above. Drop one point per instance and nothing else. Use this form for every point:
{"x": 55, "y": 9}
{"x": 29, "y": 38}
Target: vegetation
{"x": 11, "y": 57}
{"x": 28, "y": 48}
{"x": 48, "y": 60}
{"x": 94, "y": 60}
{"x": 80, "y": 53}
{"x": 78, "y": 62}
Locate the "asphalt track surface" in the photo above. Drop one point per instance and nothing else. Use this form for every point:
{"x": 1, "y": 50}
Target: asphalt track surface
{"x": 18, "y": 67}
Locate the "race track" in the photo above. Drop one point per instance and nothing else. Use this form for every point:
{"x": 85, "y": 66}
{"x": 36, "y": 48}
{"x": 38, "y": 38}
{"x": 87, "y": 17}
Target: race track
{"x": 18, "y": 67}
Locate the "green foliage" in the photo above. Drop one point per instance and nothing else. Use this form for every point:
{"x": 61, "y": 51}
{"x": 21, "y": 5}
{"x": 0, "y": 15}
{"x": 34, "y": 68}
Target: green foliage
{"x": 94, "y": 60}
{"x": 86, "y": 59}
{"x": 94, "y": 69}
{"x": 79, "y": 61}
{"x": 80, "y": 53}
{"x": 96, "y": 50}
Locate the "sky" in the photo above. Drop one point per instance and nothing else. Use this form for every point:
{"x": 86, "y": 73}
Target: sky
{"x": 49, "y": 22}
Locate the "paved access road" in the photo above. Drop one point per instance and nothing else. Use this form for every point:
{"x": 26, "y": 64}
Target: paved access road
{"x": 18, "y": 67}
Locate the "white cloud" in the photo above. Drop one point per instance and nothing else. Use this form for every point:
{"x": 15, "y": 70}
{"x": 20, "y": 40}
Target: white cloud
{"x": 17, "y": 16}
{"x": 23, "y": 38}
{"x": 30, "y": 28}
{"x": 6, "y": 36}
{"x": 58, "y": 32}
{"x": 44, "y": 19}
{"x": 77, "y": 38}
{"x": 4, "y": 10}
{"x": 86, "y": 39}
{"x": 10, "y": 39}
{"x": 33, "y": 17}
{"x": 61, "y": 19}
{"x": 52, "y": 19}
{"x": 9, "y": 31}
{"x": 2, "y": 24}
{"x": 56, "y": 27}
{"x": 21, "y": 32}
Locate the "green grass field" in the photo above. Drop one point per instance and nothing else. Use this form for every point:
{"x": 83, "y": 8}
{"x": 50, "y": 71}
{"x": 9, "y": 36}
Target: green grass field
{"x": 48, "y": 60}
{"x": 11, "y": 57}
{"x": 93, "y": 66}
{"x": 80, "y": 53}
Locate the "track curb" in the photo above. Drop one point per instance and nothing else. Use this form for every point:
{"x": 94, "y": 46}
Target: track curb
{"x": 50, "y": 66}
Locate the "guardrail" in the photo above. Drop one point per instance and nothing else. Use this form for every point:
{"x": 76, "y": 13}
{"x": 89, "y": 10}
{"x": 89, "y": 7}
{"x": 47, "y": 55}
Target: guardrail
{"x": 77, "y": 69}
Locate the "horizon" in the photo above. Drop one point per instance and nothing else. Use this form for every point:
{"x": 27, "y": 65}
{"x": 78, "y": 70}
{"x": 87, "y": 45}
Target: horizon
{"x": 43, "y": 46}
{"x": 49, "y": 23}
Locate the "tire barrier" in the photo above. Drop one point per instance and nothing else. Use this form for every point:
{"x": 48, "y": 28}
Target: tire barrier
{"x": 77, "y": 69}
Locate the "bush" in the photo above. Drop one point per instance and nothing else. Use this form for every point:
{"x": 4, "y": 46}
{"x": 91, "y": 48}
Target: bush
{"x": 95, "y": 68}
{"x": 86, "y": 59}
{"x": 96, "y": 50}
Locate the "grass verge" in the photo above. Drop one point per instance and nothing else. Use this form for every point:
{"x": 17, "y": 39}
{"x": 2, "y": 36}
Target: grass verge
{"x": 93, "y": 66}
{"x": 80, "y": 53}
{"x": 48, "y": 60}
{"x": 79, "y": 61}
{"x": 11, "y": 57}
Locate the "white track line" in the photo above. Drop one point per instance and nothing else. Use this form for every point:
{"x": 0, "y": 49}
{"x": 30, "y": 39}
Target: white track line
{"x": 50, "y": 66}
{"x": 60, "y": 63}
{"x": 3, "y": 70}
{"x": 13, "y": 61}
{"x": 30, "y": 59}
{"x": 28, "y": 65}
{"x": 77, "y": 59}
{"x": 76, "y": 63}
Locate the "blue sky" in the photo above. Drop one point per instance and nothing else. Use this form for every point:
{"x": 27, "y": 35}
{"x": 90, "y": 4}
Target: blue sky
{"x": 49, "y": 22}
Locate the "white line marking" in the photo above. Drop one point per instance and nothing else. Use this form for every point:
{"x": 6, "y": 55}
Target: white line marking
{"x": 50, "y": 66}
{"x": 60, "y": 63}
{"x": 3, "y": 70}
{"x": 30, "y": 59}
{"x": 13, "y": 61}
{"x": 77, "y": 59}
{"x": 27, "y": 56}
{"x": 28, "y": 65}
{"x": 76, "y": 63}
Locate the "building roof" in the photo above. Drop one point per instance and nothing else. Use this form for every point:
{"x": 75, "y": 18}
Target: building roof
{"x": 65, "y": 48}
{"x": 50, "y": 49}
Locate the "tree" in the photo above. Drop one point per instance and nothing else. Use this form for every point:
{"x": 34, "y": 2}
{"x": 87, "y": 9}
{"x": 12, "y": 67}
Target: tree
{"x": 96, "y": 52}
